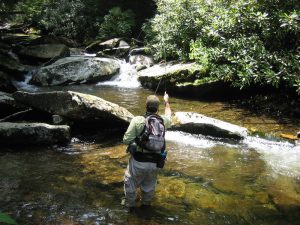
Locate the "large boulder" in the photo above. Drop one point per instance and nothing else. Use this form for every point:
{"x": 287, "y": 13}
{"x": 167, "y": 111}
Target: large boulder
{"x": 101, "y": 45}
{"x": 43, "y": 52}
{"x": 141, "y": 61}
{"x": 186, "y": 79}
{"x": 33, "y": 134}
{"x": 139, "y": 51}
{"x": 52, "y": 39}
{"x": 199, "y": 124}
{"x": 169, "y": 73}
{"x": 8, "y": 105}
{"x": 17, "y": 38}
{"x": 6, "y": 84}
{"x": 13, "y": 66}
{"x": 114, "y": 47}
{"x": 76, "y": 70}
{"x": 78, "y": 107}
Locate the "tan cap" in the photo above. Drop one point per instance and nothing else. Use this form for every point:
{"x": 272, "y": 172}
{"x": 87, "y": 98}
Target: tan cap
{"x": 152, "y": 102}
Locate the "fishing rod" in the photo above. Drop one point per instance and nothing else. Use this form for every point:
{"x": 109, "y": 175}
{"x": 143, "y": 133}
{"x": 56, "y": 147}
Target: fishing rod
{"x": 164, "y": 73}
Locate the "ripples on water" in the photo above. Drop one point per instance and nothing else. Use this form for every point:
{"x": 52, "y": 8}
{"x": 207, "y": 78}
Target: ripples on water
{"x": 282, "y": 157}
{"x": 205, "y": 181}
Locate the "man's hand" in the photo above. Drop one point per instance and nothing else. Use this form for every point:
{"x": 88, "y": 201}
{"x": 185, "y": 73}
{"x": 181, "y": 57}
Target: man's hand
{"x": 168, "y": 111}
{"x": 166, "y": 97}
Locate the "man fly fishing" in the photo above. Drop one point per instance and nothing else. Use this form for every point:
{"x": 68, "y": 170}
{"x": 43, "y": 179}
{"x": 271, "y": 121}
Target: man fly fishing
{"x": 145, "y": 138}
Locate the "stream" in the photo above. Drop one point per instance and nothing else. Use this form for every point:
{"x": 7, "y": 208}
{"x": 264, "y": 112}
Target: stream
{"x": 206, "y": 180}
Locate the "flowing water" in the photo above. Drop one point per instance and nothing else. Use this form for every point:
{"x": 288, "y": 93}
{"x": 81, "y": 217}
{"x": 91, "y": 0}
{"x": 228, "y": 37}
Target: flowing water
{"x": 205, "y": 180}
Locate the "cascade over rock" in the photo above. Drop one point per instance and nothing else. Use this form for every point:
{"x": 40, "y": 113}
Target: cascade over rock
{"x": 33, "y": 134}
{"x": 81, "y": 108}
{"x": 76, "y": 70}
{"x": 199, "y": 124}
{"x": 141, "y": 61}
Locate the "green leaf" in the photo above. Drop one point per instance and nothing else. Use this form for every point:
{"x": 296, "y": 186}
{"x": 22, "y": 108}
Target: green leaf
{"x": 4, "y": 218}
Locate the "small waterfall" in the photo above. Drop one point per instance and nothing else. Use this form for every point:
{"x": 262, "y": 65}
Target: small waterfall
{"x": 127, "y": 77}
{"x": 24, "y": 85}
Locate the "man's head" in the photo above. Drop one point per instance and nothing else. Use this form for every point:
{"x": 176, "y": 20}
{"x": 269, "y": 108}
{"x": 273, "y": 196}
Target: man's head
{"x": 298, "y": 134}
{"x": 152, "y": 104}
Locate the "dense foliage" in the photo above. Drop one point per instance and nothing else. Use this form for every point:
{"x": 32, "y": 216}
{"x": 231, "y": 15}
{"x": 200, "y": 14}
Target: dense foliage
{"x": 244, "y": 42}
{"x": 83, "y": 19}
{"x": 117, "y": 23}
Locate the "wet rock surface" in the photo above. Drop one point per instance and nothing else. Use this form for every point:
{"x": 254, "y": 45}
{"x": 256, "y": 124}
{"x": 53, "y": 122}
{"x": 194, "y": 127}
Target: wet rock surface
{"x": 43, "y": 52}
{"x": 200, "y": 124}
{"x": 6, "y": 84}
{"x": 76, "y": 106}
{"x": 8, "y": 105}
{"x": 75, "y": 70}
{"x": 33, "y": 133}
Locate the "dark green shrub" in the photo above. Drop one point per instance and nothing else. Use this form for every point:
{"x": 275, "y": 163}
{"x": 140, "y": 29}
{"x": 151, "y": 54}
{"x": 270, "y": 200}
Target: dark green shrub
{"x": 117, "y": 23}
{"x": 245, "y": 42}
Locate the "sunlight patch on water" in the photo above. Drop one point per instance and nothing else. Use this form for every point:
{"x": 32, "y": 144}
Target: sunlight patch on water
{"x": 127, "y": 77}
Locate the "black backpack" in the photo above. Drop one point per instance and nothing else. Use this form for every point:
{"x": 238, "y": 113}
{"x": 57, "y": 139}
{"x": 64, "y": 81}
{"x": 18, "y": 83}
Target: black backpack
{"x": 152, "y": 138}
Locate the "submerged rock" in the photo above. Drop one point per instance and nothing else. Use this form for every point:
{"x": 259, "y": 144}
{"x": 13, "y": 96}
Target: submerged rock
{"x": 76, "y": 70}
{"x": 33, "y": 134}
{"x": 82, "y": 108}
{"x": 199, "y": 124}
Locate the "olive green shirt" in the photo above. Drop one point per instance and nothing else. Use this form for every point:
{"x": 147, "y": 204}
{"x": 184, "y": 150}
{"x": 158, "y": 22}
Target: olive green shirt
{"x": 136, "y": 127}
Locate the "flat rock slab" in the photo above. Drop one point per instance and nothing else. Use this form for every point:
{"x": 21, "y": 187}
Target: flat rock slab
{"x": 77, "y": 106}
{"x": 33, "y": 134}
{"x": 8, "y": 105}
{"x": 200, "y": 124}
